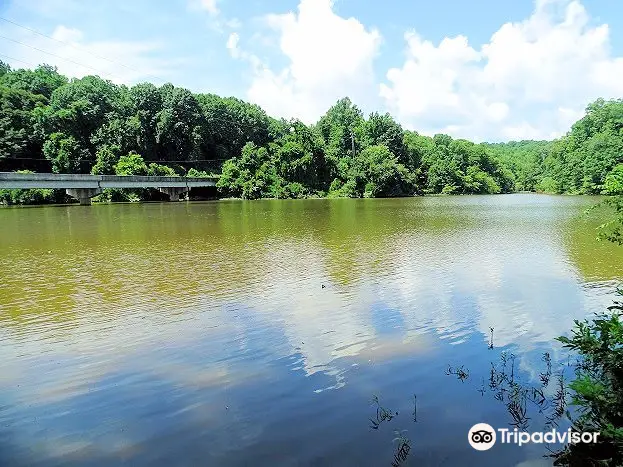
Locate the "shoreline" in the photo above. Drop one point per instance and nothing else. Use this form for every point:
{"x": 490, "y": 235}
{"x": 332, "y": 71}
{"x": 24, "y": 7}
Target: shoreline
{"x": 428, "y": 195}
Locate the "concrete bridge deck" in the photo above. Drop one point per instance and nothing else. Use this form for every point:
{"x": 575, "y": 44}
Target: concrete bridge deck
{"x": 83, "y": 187}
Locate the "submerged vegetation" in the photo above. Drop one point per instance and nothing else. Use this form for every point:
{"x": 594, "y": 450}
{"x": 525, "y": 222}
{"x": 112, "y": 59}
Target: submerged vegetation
{"x": 89, "y": 125}
{"x": 591, "y": 401}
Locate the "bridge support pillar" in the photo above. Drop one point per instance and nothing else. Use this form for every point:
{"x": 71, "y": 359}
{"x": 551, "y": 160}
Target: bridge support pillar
{"x": 174, "y": 192}
{"x": 83, "y": 195}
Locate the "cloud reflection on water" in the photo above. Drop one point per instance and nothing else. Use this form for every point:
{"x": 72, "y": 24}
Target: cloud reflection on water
{"x": 216, "y": 301}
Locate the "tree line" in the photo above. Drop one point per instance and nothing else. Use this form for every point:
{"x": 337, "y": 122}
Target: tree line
{"x": 577, "y": 163}
{"x": 90, "y": 125}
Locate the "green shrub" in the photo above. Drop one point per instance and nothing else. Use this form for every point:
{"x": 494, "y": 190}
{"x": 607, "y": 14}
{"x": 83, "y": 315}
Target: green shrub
{"x": 548, "y": 185}
{"x": 161, "y": 170}
{"x": 597, "y": 389}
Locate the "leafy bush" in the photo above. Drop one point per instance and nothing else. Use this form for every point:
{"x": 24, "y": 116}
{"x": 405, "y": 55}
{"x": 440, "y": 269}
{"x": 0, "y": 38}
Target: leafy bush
{"x": 197, "y": 173}
{"x": 132, "y": 164}
{"x": 161, "y": 170}
{"x": 548, "y": 185}
{"x": 478, "y": 181}
{"x": 598, "y": 389}
{"x": 449, "y": 190}
{"x": 106, "y": 159}
{"x": 67, "y": 154}
{"x": 251, "y": 176}
{"x": 613, "y": 186}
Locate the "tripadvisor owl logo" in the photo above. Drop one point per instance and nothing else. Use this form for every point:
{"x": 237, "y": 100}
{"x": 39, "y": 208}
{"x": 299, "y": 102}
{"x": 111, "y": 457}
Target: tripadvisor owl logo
{"x": 481, "y": 436}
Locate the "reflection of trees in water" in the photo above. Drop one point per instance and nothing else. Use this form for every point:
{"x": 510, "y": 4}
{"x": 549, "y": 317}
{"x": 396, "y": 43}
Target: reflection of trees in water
{"x": 516, "y": 395}
{"x": 596, "y": 261}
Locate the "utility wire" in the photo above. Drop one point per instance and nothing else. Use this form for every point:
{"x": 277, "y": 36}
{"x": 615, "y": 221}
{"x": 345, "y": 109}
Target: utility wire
{"x": 77, "y": 47}
{"x": 18, "y": 60}
{"x": 231, "y": 122}
{"x": 58, "y": 56}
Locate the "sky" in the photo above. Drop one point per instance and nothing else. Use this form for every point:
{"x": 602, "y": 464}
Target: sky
{"x": 485, "y": 70}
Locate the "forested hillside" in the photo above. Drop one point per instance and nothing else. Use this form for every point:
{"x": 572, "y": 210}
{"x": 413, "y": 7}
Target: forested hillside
{"x": 576, "y": 163}
{"x": 90, "y": 125}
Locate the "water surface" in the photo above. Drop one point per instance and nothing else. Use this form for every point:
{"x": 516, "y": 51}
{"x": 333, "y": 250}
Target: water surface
{"x": 256, "y": 333}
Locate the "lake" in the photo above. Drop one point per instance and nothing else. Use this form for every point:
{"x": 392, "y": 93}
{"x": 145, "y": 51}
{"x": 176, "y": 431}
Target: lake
{"x": 257, "y": 333}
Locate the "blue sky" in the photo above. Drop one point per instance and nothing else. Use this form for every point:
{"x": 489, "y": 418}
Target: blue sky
{"x": 484, "y": 70}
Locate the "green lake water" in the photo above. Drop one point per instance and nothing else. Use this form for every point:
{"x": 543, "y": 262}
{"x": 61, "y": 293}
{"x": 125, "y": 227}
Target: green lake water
{"x": 256, "y": 333}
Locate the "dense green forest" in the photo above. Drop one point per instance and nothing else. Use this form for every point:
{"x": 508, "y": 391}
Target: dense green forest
{"x": 89, "y": 125}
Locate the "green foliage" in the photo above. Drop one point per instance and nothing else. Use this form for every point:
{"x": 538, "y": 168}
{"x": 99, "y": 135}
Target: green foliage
{"x": 523, "y": 159}
{"x": 132, "y": 164}
{"x": 339, "y": 189}
{"x": 376, "y": 172}
{"x": 577, "y": 163}
{"x": 597, "y": 389}
{"x": 106, "y": 159}
{"x": 4, "y": 68}
{"x": 161, "y": 170}
{"x": 66, "y": 154}
{"x": 548, "y": 185}
{"x": 197, "y": 173}
{"x": 230, "y": 123}
{"x": 613, "y": 187}
{"x": 478, "y": 181}
{"x": 383, "y": 130}
{"x": 251, "y": 176}
{"x": 450, "y": 190}
{"x": 18, "y": 138}
{"x": 613, "y": 184}
{"x": 84, "y": 125}
{"x": 42, "y": 81}
{"x": 459, "y": 166}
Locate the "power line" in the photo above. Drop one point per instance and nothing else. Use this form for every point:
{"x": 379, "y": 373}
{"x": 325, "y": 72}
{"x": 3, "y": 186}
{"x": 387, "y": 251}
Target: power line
{"x": 18, "y": 60}
{"x": 75, "y": 46}
{"x": 231, "y": 122}
{"x": 58, "y": 56}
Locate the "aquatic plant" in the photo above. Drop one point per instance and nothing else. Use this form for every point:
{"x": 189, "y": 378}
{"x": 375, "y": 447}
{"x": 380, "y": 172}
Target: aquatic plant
{"x": 382, "y": 414}
{"x": 402, "y": 449}
{"x": 461, "y": 373}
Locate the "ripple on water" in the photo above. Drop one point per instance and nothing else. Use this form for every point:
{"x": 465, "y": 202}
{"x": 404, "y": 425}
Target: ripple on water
{"x": 230, "y": 333}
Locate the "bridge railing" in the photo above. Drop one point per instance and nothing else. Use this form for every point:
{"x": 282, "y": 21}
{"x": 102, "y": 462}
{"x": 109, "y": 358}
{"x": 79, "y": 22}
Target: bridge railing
{"x": 48, "y": 180}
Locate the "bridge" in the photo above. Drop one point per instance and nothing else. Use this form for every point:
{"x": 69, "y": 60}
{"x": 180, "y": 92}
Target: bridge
{"x": 84, "y": 187}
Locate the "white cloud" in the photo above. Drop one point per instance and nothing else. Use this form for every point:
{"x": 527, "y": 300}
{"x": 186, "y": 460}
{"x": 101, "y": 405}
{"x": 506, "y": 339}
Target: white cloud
{"x": 209, "y": 6}
{"x": 217, "y": 21}
{"x": 65, "y": 34}
{"x": 328, "y": 57}
{"x": 232, "y": 45}
{"x": 124, "y": 62}
{"x": 532, "y": 80}
{"x": 233, "y": 23}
